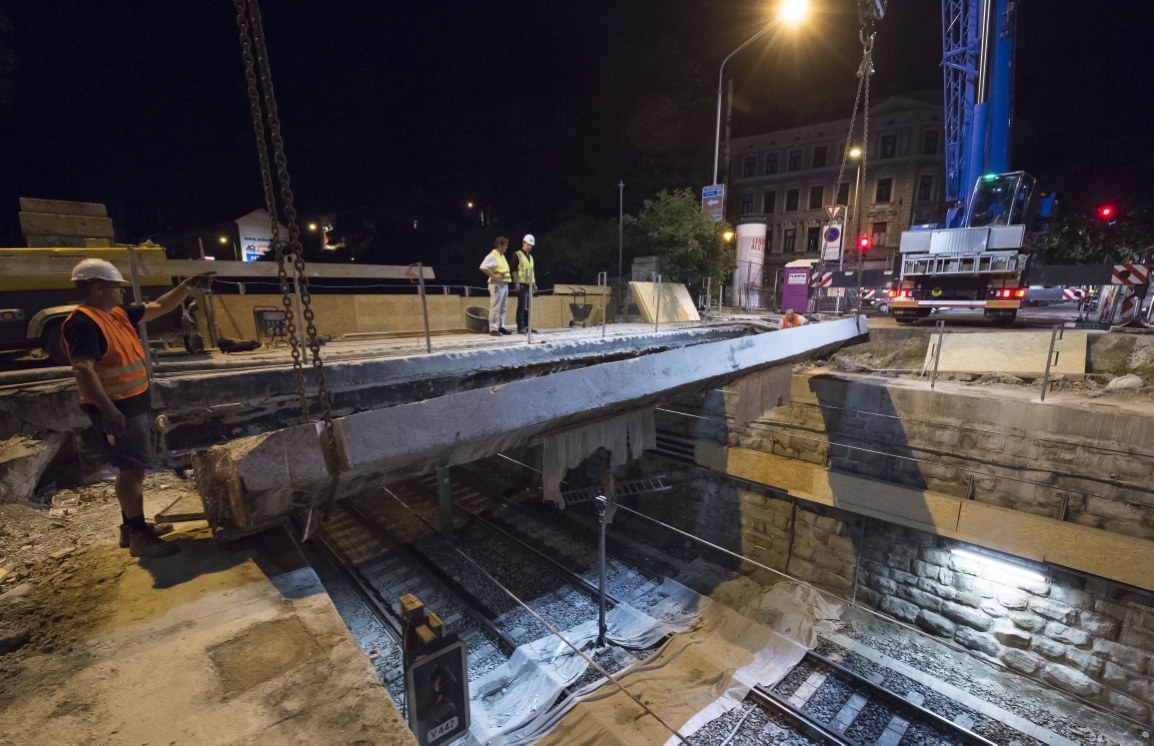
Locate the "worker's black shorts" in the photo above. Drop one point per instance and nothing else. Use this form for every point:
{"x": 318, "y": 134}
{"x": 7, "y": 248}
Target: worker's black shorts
{"x": 132, "y": 449}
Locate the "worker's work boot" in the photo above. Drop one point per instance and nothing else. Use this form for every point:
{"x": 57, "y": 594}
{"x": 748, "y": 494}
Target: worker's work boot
{"x": 160, "y": 529}
{"x": 147, "y": 544}
{"x": 503, "y": 330}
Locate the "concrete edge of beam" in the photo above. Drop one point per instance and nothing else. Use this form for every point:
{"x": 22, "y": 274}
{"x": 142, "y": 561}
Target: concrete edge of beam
{"x": 252, "y": 483}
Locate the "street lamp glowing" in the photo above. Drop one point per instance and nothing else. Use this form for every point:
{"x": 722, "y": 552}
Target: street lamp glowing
{"x": 469, "y": 205}
{"x": 728, "y": 236}
{"x": 312, "y": 226}
{"x": 855, "y": 153}
{"x": 793, "y": 11}
{"x": 224, "y": 239}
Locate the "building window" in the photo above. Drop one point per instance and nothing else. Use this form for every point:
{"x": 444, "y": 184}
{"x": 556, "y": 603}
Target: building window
{"x": 925, "y": 187}
{"x": 889, "y": 147}
{"x": 842, "y": 194}
{"x": 931, "y": 144}
{"x": 795, "y": 160}
{"x": 819, "y": 154}
{"x": 750, "y": 167}
{"x": 770, "y": 203}
{"x": 746, "y": 205}
{"x": 791, "y": 198}
{"x": 771, "y": 164}
{"x": 816, "y": 197}
{"x": 813, "y": 238}
{"x": 788, "y": 239}
{"x": 878, "y": 239}
{"x": 884, "y": 191}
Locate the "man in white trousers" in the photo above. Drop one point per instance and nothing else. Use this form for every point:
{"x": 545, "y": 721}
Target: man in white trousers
{"x": 497, "y": 269}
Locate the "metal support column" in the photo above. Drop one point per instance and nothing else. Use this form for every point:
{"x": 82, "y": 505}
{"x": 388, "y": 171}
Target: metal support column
{"x": 605, "y": 517}
{"x": 938, "y": 352}
{"x": 424, "y": 305}
{"x": 657, "y": 303}
{"x": 445, "y": 498}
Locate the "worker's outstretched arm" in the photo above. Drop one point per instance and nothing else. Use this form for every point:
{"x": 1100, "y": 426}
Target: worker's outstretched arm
{"x": 173, "y": 298}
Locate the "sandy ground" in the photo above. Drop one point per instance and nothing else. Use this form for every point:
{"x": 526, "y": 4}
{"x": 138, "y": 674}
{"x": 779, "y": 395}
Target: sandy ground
{"x": 233, "y": 644}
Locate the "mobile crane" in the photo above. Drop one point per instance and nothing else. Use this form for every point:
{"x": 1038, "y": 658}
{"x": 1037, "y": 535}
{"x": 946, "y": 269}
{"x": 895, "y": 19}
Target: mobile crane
{"x": 978, "y": 258}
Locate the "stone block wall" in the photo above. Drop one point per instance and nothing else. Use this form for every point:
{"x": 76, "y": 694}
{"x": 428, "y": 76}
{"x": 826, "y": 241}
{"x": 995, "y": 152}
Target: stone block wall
{"x": 1083, "y": 635}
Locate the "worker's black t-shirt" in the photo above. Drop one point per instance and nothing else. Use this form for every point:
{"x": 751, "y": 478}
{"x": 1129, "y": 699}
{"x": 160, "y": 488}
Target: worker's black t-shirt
{"x": 85, "y": 340}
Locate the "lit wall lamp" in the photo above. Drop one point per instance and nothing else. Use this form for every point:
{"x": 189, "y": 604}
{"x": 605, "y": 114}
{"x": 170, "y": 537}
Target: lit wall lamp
{"x": 1009, "y": 568}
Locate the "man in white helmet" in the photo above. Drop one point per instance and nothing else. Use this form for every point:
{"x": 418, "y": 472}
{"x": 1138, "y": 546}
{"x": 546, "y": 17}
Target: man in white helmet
{"x": 524, "y": 281}
{"x": 108, "y": 363}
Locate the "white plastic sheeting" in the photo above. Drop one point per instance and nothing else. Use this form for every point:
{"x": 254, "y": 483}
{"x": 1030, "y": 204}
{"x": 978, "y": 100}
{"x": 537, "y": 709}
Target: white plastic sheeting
{"x": 706, "y": 668}
{"x": 624, "y": 436}
{"x": 761, "y": 392}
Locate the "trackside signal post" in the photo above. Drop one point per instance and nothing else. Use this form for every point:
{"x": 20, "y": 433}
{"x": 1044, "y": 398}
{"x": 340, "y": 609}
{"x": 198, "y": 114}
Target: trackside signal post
{"x": 436, "y": 676}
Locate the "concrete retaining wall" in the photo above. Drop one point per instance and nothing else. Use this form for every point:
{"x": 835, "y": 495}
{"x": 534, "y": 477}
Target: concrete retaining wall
{"x": 1090, "y": 465}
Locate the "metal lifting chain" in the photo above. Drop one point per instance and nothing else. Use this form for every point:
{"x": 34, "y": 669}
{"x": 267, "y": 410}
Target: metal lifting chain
{"x": 257, "y": 30}
{"x": 270, "y": 205}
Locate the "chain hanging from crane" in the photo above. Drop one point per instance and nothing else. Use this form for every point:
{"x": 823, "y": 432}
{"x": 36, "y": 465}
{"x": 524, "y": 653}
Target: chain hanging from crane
{"x": 248, "y": 20}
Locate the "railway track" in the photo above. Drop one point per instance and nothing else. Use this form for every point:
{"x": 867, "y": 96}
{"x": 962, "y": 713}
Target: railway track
{"x": 554, "y": 568}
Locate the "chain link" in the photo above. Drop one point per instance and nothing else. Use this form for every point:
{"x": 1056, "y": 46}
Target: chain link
{"x": 270, "y": 205}
{"x": 286, "y": 194}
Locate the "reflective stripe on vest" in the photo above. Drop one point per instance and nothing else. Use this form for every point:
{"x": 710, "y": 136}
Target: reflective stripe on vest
{"x": 502, "y": 266}
{"x": 525, "y": 273}
{"x": 121, "y": 370}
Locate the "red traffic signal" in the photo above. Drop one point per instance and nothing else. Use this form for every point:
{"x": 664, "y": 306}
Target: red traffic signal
{"x": 863, "y": 243}
{"x": 1107, "y": 212}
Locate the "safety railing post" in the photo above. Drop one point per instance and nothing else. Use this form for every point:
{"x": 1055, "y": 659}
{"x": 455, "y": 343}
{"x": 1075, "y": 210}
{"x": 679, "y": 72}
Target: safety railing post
{"x": 424, "y": 305}
{"x": 938, "y": 352}
{"x": 1052, "y": 357}
{"x": 602, "y": 293}
{"x": 657, "y": 303}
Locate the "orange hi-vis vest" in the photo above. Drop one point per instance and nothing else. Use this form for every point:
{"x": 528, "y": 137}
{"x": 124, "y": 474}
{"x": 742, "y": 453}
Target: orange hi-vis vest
{"x": 121, "y": 371}
{"x": 787, "y": 323}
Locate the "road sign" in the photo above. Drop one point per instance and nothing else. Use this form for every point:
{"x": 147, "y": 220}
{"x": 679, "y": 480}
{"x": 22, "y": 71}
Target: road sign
{"x": 834, "y": 211}
{"x": 713, "y": 201}
{"x": 832, "y": 240}
{"x": 437, "y": 695}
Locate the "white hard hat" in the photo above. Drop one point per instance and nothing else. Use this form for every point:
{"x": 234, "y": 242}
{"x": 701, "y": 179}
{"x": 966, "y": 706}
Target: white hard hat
{"x": 96, "y": 269}
{"x": 529, "y": 239}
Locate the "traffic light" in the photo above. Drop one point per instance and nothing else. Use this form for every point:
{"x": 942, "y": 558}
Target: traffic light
{"x": 1108, "y": 213}
{"x": 863, "y": 244}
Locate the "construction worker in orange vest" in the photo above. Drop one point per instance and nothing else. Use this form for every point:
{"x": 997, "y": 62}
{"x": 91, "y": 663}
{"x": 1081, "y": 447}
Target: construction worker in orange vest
{"x": 108, "y": 363}
{"x": 791, "y": 319}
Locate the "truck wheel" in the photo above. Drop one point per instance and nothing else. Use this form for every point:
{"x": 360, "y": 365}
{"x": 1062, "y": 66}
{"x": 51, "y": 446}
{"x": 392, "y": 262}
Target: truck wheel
{"x": 903, "y": 319}
{"x": 1004, "y": 319}
{"x": 52, "y": 342}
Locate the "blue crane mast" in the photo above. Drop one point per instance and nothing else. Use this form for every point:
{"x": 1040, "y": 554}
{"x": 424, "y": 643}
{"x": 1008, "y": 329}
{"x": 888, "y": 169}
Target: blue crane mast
{"x": 978, "y": 81}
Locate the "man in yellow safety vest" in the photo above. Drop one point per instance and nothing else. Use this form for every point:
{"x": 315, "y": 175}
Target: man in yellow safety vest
{"x": 525, "y": 282}
{"x": 497, "y": 269}
{"x": 108, "y": 363}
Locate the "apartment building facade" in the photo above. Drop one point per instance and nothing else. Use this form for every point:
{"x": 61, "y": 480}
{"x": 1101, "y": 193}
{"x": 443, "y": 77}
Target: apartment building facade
{"x": 789, "y": 176}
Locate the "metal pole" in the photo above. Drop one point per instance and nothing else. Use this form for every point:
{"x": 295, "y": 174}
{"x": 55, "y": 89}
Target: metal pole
{"x": 620, "y": 241}
{"x": 424, "y": 305}
{"x": 938, "y": 352}
{"x": 605, "y": 515}
{"x": 529, "y": 308}
{"x": 1055, "y": 335}
{"x": 445, "y": 498}
{"x": 657, "y": 303}
{"x": 142, "y": 326}
{"x": 720, "y": 82}
{"x": 603, "y": 285}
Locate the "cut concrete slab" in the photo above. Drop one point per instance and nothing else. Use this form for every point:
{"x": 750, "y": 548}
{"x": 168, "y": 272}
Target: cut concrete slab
{"x": 22, "y": 461}
{"x": 216, "y": 645}
{"x": 252, "y": 483}
{"x": 1009, "y": 352}
{"x": 664, "y": 302}
{"x": 187, "y": 507}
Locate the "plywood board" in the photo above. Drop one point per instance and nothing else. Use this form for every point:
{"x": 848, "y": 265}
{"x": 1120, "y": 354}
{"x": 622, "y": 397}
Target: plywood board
{"x": 1008, "y": 352}
{"x": 675, "y": 303}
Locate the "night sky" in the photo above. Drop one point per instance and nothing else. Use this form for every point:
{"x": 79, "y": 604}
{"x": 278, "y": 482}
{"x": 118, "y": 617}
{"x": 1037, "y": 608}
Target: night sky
{"x": 535, "y": 110}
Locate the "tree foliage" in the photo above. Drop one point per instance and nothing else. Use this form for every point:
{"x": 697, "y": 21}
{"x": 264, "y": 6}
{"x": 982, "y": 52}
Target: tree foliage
{"x": 1080, "y": 238}
{"x": 688, "y": 244}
